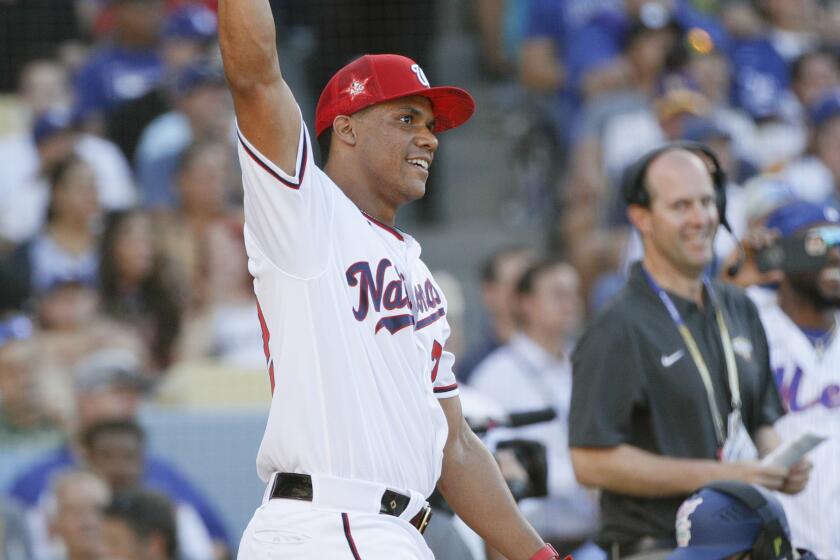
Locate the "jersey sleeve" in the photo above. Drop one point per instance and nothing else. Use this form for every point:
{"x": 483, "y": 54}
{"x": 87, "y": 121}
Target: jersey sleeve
{"x": 445, "y": 385}
{"x": 287, "y": 217}
{"x": 606, "y": 386}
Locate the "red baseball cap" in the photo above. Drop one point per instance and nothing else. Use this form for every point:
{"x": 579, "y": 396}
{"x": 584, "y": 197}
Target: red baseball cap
{"x": 374, "y": 78}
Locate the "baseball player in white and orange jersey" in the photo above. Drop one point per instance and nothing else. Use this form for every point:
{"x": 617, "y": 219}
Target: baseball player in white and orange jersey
{"x": 801, "y": 325}
{"x": 365, "y": 418}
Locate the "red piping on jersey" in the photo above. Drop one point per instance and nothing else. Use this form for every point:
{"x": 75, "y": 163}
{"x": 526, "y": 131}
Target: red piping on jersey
{"x": 426, "y": 321}
{"x": 266, "y": 336}
{"x": 346, "y": 520}
{"x": 386, "y": 227}
{"x": 446, "y": 388}
{"x": 270, "y": 171}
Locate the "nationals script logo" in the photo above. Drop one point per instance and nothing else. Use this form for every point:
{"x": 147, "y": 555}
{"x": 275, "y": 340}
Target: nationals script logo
{"x": 391, "y": 296}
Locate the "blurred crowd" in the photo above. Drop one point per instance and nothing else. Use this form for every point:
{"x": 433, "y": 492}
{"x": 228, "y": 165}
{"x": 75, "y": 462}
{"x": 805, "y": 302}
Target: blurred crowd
{"x": 121, "y": 227}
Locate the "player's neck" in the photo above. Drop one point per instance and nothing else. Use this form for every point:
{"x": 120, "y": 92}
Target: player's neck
{"x": 802, "y": 311}
{"x": 686, "y": 285}
{"x": 361, "y": 194}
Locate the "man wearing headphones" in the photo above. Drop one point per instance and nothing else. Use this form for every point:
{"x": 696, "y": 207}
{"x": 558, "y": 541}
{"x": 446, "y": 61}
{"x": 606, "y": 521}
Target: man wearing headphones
{"x": 672, "y": 387}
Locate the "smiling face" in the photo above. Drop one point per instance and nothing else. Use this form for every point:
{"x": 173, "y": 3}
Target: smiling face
{"x": 395, "y": 147}
{"x": 679, "y": 225}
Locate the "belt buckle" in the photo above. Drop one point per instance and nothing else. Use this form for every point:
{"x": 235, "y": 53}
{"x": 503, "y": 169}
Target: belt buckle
{"x": 421, "y": 520}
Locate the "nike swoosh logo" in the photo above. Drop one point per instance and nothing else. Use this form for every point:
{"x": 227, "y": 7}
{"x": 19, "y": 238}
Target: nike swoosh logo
{"x": 670, "y": 359}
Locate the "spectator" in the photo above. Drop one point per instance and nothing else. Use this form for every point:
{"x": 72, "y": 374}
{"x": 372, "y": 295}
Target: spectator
{"x": 762, "y": 79}
{"x": 67, "y": 248}
{"x": 28, "y": 159}
{"x": 75, "y": 518}
{"x": 708, "y": 67}
{"x": 816, "y": 176}
{"x": 202, "y": 113}
{"x": 688, "y": 405}
{"x": 115, "y": 449}
{"x": 801, "y": 324}
{"x": 205, "y": 181}
{"x": 109, "y": 386}
{"x": 224, "y": 329}
{"x": 140, "y": 526}
{"x": 188, "y": 36}
{"x": 499, "y": 273}
{"x": 532, "y": 371}
{"x": 596, "y": 65}
{"x": 813, "y": 75}
{"x": 126, "y": 67}
{"x": 792, "y": 26}
{"x": 136, "y": 284}
{"x": 25, "y": 417}
{"x": 69, "y": 327}
{"x": 44, "y": 85}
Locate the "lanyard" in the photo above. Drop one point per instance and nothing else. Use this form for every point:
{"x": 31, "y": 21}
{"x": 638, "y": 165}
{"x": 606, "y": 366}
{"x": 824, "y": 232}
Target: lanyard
{"x": 699, "y": 362}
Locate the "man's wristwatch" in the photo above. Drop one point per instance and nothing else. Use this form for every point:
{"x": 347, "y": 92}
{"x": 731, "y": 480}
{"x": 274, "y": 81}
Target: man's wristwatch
{"x": 547, "y": 552}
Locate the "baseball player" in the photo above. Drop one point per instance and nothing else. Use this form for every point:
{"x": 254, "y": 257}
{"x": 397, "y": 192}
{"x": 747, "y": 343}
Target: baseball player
{"x": 365, "y": 418}
{"x": 801, "y": 325}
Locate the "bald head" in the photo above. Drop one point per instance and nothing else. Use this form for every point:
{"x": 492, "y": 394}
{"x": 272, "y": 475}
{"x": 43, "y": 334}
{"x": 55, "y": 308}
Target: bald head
{"x": 679, "y": 223}
{"x": 675, "y": 167}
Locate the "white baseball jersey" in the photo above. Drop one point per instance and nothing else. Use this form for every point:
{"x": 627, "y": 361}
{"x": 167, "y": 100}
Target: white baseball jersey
{"x": 809, "y": 382}
{"x": 354, "y": 328}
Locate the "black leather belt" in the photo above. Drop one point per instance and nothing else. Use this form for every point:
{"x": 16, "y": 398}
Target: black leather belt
{"x": 294, "y": 486}
{"x": 645, "y": 544}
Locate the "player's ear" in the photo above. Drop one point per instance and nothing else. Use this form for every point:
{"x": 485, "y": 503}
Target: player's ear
{"x": 343, "y": 130}
{"x": 639, "y": 216}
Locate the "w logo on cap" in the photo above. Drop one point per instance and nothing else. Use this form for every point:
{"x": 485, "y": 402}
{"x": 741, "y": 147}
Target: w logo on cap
{"x": 421, "y": 76}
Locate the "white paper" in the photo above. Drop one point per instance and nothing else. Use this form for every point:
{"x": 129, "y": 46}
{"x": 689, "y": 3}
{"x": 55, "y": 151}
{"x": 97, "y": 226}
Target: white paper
{"x": 790, "y": 452}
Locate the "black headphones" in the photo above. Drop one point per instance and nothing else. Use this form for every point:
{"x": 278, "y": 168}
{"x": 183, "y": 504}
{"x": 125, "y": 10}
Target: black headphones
{"x": 772, "y": 542}
{"x": 635, "y": 191}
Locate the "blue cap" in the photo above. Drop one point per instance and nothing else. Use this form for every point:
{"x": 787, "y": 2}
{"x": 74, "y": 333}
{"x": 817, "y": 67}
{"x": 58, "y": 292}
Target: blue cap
{"x": 712, "y": 524}
{"x": 699, "y": 129}
{"x": 195, "y": 75}
{"x": 826, "y": 108}
{"x": 800, "y": 214}
{"x": 50, "y": 123}
{"x": 196, "y": 23}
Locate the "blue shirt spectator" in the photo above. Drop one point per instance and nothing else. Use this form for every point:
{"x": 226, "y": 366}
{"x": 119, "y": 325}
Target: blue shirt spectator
{"x": 115, "y": 75}
{"x": 599, "y": 39}
{"x": 158, "y": 475}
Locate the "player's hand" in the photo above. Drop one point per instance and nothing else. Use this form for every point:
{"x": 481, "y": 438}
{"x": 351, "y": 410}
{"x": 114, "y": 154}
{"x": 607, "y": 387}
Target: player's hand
{"x": 753, "y": 472}
{"x": 797, "y": 477}
{"x": 747, "y": 273}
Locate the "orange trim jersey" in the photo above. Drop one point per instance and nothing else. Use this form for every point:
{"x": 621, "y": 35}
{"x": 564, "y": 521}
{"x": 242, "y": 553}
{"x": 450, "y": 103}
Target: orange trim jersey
{"x": 354, "y": 328}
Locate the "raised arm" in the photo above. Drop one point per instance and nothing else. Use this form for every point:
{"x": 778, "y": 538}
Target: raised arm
{"x": 266, "y": 110}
